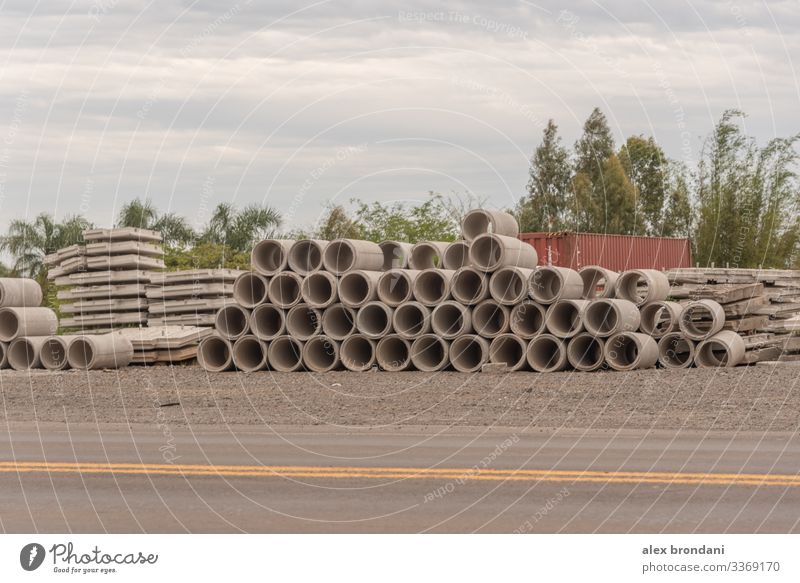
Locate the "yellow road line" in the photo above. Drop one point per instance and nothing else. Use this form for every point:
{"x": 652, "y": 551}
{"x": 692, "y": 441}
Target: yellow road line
{"x": 396, "y": 473}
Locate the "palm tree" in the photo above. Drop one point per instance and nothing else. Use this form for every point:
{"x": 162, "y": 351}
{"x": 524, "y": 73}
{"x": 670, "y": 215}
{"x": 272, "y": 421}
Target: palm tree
{"x": 240, "y": 229}
{"x": 142, "y": 214}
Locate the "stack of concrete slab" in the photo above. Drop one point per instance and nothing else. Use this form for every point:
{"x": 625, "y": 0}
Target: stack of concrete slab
{"x": 103, "y": 280}
{"x": 190, "y": 297}
{"x": 164, "y": 344}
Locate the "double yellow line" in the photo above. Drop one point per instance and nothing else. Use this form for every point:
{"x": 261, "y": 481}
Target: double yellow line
{"x": 379, "y": 473}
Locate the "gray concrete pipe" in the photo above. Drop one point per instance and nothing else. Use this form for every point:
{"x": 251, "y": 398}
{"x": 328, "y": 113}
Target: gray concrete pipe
{"x": 338, "y": 321}
{"x": 479, "y": 221}
{"x": 723, "y": 349}
{"x": 510, "y": 350}
{"x": 303, "y": 322}
{"x": 19, "y": 292}
{"x": 660, "y": 318}
{"x": 285, "y": 354}
{"x": 215, "y": 354}
{"x": 374, "y": 320}
{"x": 527, "y": 319}
{"x": 585, "y": 352}
{"x": 395, "y": 254}
{"x": 510, "y": 285}
{"x": 396, "y": 286}
{"x": 271, "y": 256}
{"x": 54, "y": 352}
{"x": 641, "y": 286}
{"x": 469, "y": 286}
{"x": 250, "y": 289}
{"x": 267, "y": 322}
{"x": 430, "y": 353}
{"x": 469, "y": 352}
{"x": 546, "y": 353}
{"x": 320, "y": 289}
{"x": 456, "y": 255}
{"x": 598, "y": 282}
{"x": 432, "y": 286}
{"x": 305, "y": 256}
{"x": 411, "y": 319}
{"x": 357, "y": 353}
{"x": 16, "y": 322}
{"x": 675, "y": 351}
{"x": 249, "y": 354}
{"x": 450, "y": 319}
{"x": 93, "y": 352}
{"x": 284, "y": 289}
{"x": 604, "y": 317}
{"x": 427, "y": 255}
{"x": 344, "y": 255}
{"x": 358, "y": 287}
{"x": 393, "y": 353}
{"x": 3, "y": 355}
{"x": 491, "y": 319}
{"x": 564, "y": 318}
{"x": 321, "y": 354}
{"x": 24, "y": 353}
{"x": 490, "y": 252}
{"x": 549, "y": 284}
{"x": 631, "y": 350}
{"x": 700, "y": 320}
{"x": 232, "y": 321}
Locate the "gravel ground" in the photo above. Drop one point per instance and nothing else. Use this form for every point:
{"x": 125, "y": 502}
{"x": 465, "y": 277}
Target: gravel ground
{"x": 762, "y": 398}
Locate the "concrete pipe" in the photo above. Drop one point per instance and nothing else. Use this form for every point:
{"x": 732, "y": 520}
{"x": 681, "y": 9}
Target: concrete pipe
{"x": 723, "y": 349}
{"x": 490, "y": 319}
{"x": 15, "y": 322}
{"x": 284, "y": 289}
{"x": 93, "y": 352}
{"x": 641, "y": 286}
{"x": 271, "y": 256}
{"x": 267, "y": 322}
{"x": 660, "y": 318}
{"x": 321, "y": 354}
{"x": 305, "y": 256}
{"x": 395, "y": 254}
{"x": 215, "y": 354}
{"x": 54, "y": 352}
{"x": 432, "y": 286}
{"x": 456, "y": 255}
{"x": 338, "y": 321}
{"x": 469, "y": 352}
{"x": 527, "y": 319}
{"x": 232, "y": 321}
{"x": 450, "y": 319}
{"x": 430, "y": 353}
{"x": 250, "y": 290}
{"x": 598, "y": 282}
{"x": 303, "y": 322}
{"x": 411, "y": 319}
{"x": 374, "y": 320}
{"x": 491, "y": 252}
{"x": 546, "y": 353}
{"x": 427, "y": 255}
{"x": 344, "y": 255}
{"x": 24, "y": 353}
{"x": 549, "y": 284}
{"x": 3, "y": 355}
{"x": 631, "y": 350}
{"x": 393, "y": 353}
{"x": 585, "y": 352}
{"x": 320, "y": 289}
{"x": 250, "y": 354}
{"x": 564, "y": 318}
{"x": 396, "y": 286}
{"x": 510, "y": 350}
{"x": 701, "y": 319}
{"x": 357, "y": 353}
{"x": 19, "y": 292}
{"x": 480, "y": 221}
{"x": 358, "y": 287}
{"x": 285, "y": 354}
{"x": 675, "y": 351}
{"x": 469, "y": 286}
{"x": 604, "y": 317}
{"x": 510, "y": 285}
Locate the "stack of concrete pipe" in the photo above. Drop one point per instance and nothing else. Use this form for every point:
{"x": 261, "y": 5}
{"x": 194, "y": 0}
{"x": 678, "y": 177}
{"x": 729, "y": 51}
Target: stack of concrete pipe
{"x": 357, "y": 305}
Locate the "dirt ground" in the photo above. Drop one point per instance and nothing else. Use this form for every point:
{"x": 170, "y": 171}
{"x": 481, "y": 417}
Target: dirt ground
{"x": 762, "y": 398}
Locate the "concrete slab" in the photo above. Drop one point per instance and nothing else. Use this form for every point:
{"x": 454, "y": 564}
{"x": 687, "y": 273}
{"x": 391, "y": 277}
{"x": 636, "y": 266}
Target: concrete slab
{"x": 202, "y": 306}
{"x": 124, "y": 248}
{"x": 94, "y": 306}
{"x": 189, "y": 290}
{"x": 183, "y": 319}
{"x": 165, "y": 337}
{"x": 105, "y": 320}
{"x": 104, "y": 262}
{"x": 105, "y": 277}
{"x": 122, "y": 234}
{"x": 102, "y": 291}
{"x": 196, "y": 276}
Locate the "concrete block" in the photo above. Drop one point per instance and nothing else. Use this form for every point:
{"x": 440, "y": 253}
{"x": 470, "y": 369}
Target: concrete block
{"x": 124, "y": 248}
{"x": 103, "y": 262}
{"x": 122, "y": 234}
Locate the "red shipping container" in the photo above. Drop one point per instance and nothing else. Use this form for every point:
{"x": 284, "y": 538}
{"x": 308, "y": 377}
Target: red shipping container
{"x": 615, "y": 252}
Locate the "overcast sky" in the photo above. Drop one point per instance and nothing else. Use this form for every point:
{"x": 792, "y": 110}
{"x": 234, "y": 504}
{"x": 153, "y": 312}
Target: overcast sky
{"x": 292, "y": 104}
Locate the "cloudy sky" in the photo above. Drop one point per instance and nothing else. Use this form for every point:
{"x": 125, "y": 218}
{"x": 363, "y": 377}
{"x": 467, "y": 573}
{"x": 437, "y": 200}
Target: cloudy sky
{"x": 293, "y": 104}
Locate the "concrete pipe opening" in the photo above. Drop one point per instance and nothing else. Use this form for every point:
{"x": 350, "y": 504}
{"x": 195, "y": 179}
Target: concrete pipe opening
{"x": 393, "y": 353}
{"x": 411, "y": 319}
{"x": 357, "y": 353}
{"x": 660, "y": 318}
{"x": 395, "y": 254}
{"x": 598, "y": 282}
{"x": 585, "y": 352}
{"x": 451, "y": 319}
{"x": 549, "y": 284}
{"x": 432, "y": 286}
{"x": 303, "y": 322}
{"x": 427, "y": 255}
{"x": 338, "y": 321}
{"x": 675, "y": 351}
{"x": 456, "y": 255}
{"x": 232, "y": 321}
{"x": 480, "y": 221}
{"x": 546, "y": 353}
{"x": 374, "y": 320}
{"x": 305, "y": 256}
{"x": 510, "y": 350}
{"x": 345, "y": 255}
{"x": 319, "y": 289}
{"x": 395, "y": 287}
{"x": 356, "y": 288}
{"x": 267, "y": 322}
{"x": 491, "y": 252}
{"x": 469, "y": 286}
{"x": 250, "y": 290}
{"x": 214, "y": 354}
{"x": 490, "y": 319}
{"x": 509, "y": 285}
{"x": 271, "y": 255}
{"x": 527, "y": 319}
{"x": 54, "y": 352}
{"x": 701, "y": 319}
{"x": 250, "y": 354}
{"x": 23, "y": 353}
{"x": 285, "y": 354}
{"x": 468, "y": 353}
{"x": 284, "y": 289}
{"x": 429, "y": 353}
{"x": 16, "y": 322}
{"x": 321, "y": 354}
{"x": 631, "y": 350}
{"x": 724, "y": 349}
{"x": 565, "y": 318}
{"x": 604, "y": 317}
{"x": 642, "y": 285}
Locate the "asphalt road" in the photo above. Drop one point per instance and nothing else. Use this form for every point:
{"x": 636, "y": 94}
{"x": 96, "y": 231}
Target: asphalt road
{"x": 134, "y": 478}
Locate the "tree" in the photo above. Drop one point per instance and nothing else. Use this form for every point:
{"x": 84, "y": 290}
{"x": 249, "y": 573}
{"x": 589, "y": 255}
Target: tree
{"x": 592, "y": 150}
{"x": 206, "y": 256}
{"x": 547, "y": 205}
{"x": 432, "y": 220}
{"x": 647, "y": 167}
{"x": 174, "y": 229}
{"x": 678, "y": 212}
{"x": 240, "y": 229}
{"x": 337, "y": 224}
{"x": 619, "y": 208}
